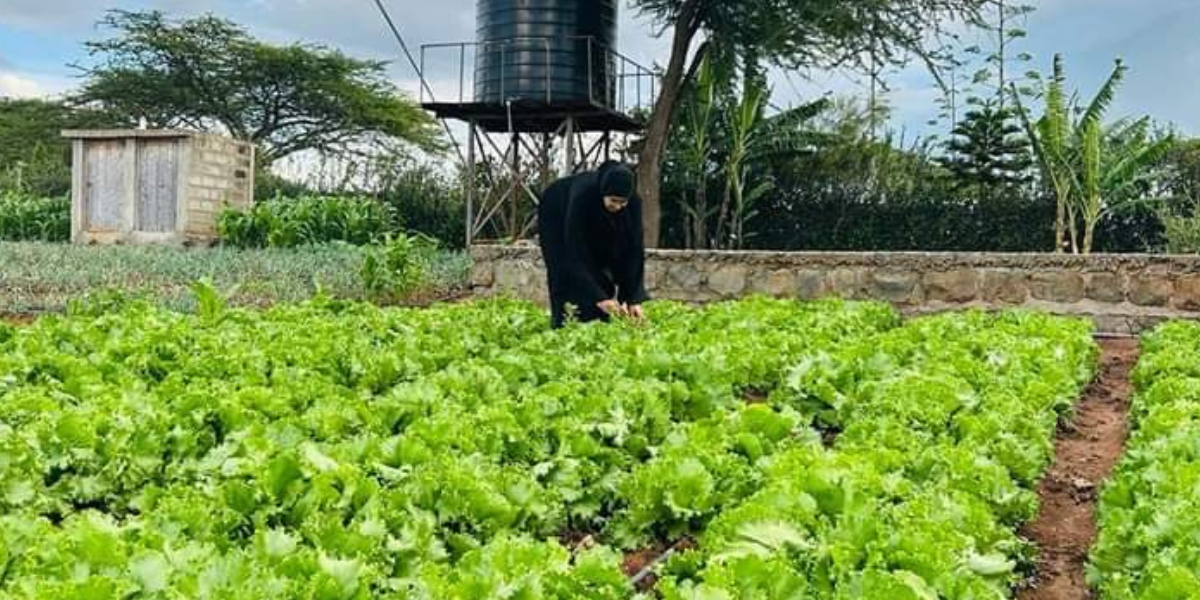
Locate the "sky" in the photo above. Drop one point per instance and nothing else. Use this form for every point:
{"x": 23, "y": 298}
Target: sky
{"x": 39, "y": 39}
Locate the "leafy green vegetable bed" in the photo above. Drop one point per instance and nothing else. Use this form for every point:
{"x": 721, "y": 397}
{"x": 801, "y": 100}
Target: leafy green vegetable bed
{"x": 335, "y": 450}
{"x": 1149, "y": 518}
{"x": 41, "y": 277}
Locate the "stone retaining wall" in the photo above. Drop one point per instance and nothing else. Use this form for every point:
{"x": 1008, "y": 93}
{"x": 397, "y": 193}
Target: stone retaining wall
{"x": 1122, "y": 293}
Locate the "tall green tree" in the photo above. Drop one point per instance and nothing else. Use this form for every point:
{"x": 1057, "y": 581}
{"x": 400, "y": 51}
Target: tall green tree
{"x": 34, "y": 158}
{"x": 988, "y": 151}
{"x": 1054, "y": 144}
{"x": 793, "y": 34}
{"x": 694, "y": 153}
{"x": 209, "y": 73}
{"x": 1178, "y": 179}
{"x": 725, "y": 139}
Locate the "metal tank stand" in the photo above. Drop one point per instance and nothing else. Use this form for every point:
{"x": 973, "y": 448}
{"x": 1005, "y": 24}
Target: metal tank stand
{"x": 517, "y": 147}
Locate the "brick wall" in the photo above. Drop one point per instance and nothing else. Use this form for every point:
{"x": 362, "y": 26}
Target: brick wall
{"x": 221, "y": 170}
{"x": 1122, "y": 293}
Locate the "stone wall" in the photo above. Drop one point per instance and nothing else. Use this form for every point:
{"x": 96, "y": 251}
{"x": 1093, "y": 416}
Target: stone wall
{"x": 1122, "y": 293}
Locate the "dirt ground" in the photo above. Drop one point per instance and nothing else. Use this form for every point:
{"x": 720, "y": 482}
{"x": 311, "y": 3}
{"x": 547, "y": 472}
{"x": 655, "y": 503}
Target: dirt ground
{"x": 1086, "y": 450}
{"x": 17, "y": 319}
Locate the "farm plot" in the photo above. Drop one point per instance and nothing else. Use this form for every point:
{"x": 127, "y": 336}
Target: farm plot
{"x": 1149, "y": 517}
{"x": 769, "y": 449}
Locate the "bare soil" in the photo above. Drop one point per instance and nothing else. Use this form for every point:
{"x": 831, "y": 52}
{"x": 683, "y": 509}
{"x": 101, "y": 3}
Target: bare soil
{"x": 17, "y": 319}
{"x": 1087, "y": 448}
{"x": 636, "y": 563}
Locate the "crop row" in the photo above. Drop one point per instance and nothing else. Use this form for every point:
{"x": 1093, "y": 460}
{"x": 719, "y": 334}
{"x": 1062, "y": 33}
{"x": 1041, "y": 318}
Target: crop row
{"x": 1148, "y": 546}
{"x": 945, "y": 424}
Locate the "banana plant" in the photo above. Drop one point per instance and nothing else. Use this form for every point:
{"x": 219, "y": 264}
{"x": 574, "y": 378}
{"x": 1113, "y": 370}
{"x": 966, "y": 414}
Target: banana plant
{"x": 752, "y": 139}
{"x": 744, "y": 126}
{"x": 1116, "y": 162}
{"x": 1051, "y": 139}
{"x": 700, "y": 115}
{"x": 1090, "y": 169}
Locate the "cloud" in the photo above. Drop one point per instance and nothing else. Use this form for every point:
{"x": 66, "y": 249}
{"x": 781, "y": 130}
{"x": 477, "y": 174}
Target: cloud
{"x": 14, "y": 84}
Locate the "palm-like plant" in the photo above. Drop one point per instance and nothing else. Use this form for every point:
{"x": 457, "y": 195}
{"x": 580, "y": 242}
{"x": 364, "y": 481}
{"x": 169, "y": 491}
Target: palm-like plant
{"x": 745, "y": 128}
{"x": 1091, "y": 169}
{"x": 752, "y": 139}
{"x": 1051, "y": 139}
{"x": 699, "y": 115}
{"x": 724, "y": 138}
{"x": 1115, "y": 167}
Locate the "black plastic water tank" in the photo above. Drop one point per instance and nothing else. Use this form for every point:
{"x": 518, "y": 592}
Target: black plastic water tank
{"x": 538, "y": 51}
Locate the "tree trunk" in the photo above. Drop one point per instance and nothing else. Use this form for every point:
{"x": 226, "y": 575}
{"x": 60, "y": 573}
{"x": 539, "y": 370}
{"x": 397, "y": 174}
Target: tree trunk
{"x": 1073, "y": 229}
{"x": 659, "y": 128}
{"x": 700, "y": 220}
{"x": 723, "y": 219}
{"x": 1061, "y": 198}
{"x": 1060, "y": 224}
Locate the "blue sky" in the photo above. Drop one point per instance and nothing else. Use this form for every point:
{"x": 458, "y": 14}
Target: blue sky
{"x": 1157, "y": 38}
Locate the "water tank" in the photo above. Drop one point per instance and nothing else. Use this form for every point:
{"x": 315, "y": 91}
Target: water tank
{"x": 538, "y": 51}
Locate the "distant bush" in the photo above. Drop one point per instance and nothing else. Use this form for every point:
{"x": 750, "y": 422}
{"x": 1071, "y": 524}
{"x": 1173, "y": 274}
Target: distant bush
{"x": 428, "y": 202}
{"x": 1182, "y": 231}
{"x": 25, "y": 217}
{"x": 290, "y": 222}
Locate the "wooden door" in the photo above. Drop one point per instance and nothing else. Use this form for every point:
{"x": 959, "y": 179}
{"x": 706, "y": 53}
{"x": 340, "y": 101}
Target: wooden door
{"x": 105, "y": 190}
{"x": 157, "y": 185}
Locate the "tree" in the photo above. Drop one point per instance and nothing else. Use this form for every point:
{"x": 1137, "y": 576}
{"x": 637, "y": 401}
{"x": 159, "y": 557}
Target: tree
{"x": 695, "y": 153}
{"x": 794, "y": 34}
{"x": 1093, "y": 169}
{"x": 34, "y": 158}
{"x": 986, "y": 66}
{"x": 753, "y": 140}
{"x": 1052, "y": 139}
{"x": 1178, "y": 179}
{"x": 724, "y": 141}
{"x": 206, "y": 72}
{"x": 988, "y": 150}
{"x": 1006, "y": 34}
{"x": 1115, "y": 168}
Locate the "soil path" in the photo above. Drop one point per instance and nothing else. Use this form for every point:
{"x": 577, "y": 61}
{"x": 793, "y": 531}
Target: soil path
{"x": 1086, "y": 450}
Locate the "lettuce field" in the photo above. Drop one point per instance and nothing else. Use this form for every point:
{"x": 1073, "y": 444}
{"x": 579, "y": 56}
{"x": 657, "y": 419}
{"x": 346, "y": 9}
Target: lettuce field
{"x": 1149, "y": 520}
{"x": 759, "y": 449}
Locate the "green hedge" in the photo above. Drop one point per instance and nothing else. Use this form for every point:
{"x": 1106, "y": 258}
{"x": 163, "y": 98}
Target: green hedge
{"x": 995, "y": 226}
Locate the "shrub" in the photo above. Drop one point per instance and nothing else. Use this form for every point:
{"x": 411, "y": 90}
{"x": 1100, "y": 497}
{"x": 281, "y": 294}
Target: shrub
{"x": 30, "y": 218}
{"x": 398, "y": 266}
{"x": 1182, "y": 232}
{"x": 428, "y": 202}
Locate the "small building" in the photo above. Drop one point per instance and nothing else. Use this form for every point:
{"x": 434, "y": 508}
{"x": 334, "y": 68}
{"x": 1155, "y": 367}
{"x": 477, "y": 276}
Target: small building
{"x": 146, "y": 186}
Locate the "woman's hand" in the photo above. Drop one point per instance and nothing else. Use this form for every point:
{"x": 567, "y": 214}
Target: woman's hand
{"x": 611, "y": 308}
{"x": 636, "y": 312}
